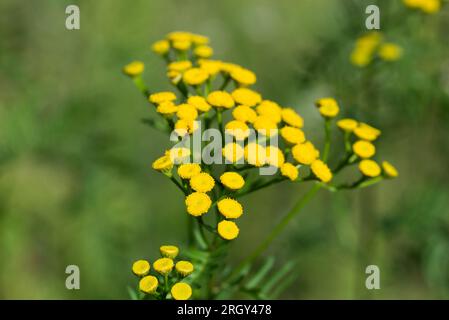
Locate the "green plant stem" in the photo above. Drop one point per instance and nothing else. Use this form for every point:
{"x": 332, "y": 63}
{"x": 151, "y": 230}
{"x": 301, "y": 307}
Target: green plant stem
{"x": 220, "y": 125}
{"x": 327, "y": 143}
{"x": 225, "y": 82}
{"x": 278, "y": 229}
{"x": 140, "y": 84}
{"x": 176, "y": 182}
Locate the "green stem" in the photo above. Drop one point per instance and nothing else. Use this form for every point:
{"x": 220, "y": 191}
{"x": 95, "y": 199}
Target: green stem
{"x": 176, "y": 182}
{"x": 327, "y": 143}
{"x": 138, "y": 81}
{"x": 278, "y": 229}
{"x": 225, "y": 82}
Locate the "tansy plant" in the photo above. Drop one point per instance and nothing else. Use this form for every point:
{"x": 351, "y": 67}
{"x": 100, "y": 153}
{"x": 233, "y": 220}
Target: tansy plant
{"x": 215, "y": 94}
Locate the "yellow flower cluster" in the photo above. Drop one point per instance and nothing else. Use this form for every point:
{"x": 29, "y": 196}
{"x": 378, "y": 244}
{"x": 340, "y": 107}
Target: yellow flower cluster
{"x": 426, "y": 6}
{"x": 171, "y": 283}
{"x": 372, "y": 45}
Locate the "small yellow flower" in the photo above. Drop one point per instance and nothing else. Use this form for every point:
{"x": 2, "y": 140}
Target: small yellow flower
{"x": 275, "y": 157}
{"x": 328, "y": 107}
{"x": 220, "y": 99}
{"x": 255, "y": 154}
{"x": 369, "y": 168}
{"x": 184, "y": 268}
{"x": 292, "y": 118}
{"x": 188, "y": 170}
{"x": 364, "y": 149}
{"x": 141, "y": 268}
{"x": 180, "y": 66}
{"x": 195, "y": 76}
{"x": 186, "y": 126}
{"x": 230, "y": 208}
{"x": 178, "y": 154}
{"x": 228, "y": 230}
{"x": 246, "y": 97}
{"x": 199, "y": 39}
{"x": 179, "y": 36}
{"x": 167, "y": 108}
{"x": 203, "y": 51}
{"x": 389, "y": 170}
{"x": 161, "y": 47}
{"x": 347, "y": 124}
{"x": 237, "y": 129}
{"x": 169, "y": 251}
{"x": 228, "y": 67}
{"x": 187, "y": 112}
{"x": 212, "y": 67}
{"x": 366, "y": 132}
{"x": 163, "y": 265}
{"x": 181, "y": 291}
{"x": 182, "y": 45}
{"x": 430, "y": 6}
{"x": 270, "y": 110}
{"x": 202, "y": 182}
{"x": 160, "y": 97}
{"x": 134, "y": 69}
{"x": 148, "y": 284}
{"x": 198, "y": 203}
{"x": 244, "y": 113}
{"x": 233, "y": 152}
{"x": 199, "y": 103}
{"x": 290, "y": 171}
{"x": 305, "y": 153}
{"x": 390, "y": 52}
{"x": 163, "y": 163}
{"x": 365, "y": 46}
{"x": 232, "y": 180}
{"x": 293, "y": 135}
{"x": 243, "y": 76}
{"x": 321, "y": 170}
{"x": 265, "y": 126}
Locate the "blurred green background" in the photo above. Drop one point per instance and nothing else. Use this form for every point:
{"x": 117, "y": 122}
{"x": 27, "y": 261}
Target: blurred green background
{"x": 76, "y": 184}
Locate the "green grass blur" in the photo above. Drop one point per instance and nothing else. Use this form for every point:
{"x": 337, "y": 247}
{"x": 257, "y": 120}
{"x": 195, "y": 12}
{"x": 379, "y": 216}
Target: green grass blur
{"x": 76, "y": 184}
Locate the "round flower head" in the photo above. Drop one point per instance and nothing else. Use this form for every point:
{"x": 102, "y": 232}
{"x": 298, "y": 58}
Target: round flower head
{"x": 187, "y": 112}
{"x": 229, "y": 67}
{"x": 167, "y": 108}
{"x": 364, "y": 149}
{"x": 237, "y": 129}
{"x": 202, "y": 182}
{"x": 148, "y": 284}
{"x": 199, "y": 103}
{"x": 232, "y": 180}
{"x": 181, "y": 45}
{"x": 270, "y": 110}
{"x": 228, "y": 230}
{"x": 195, "y": 76}
{"x": 255, "y": 154}
{"x": 347, "y": 124}
{"x": 265, "y": 126}
{"x": 430, "y": 6}
{"x": 389, "y": 170}
{"x": 163, "y": 266}
{"x": 369, "y": 168}
{"x": 199, "y": 39}
{"x": 141, "y": 268}
{"x": 169, "y": 251}
{"x": 246, "y": 97}
{"x": 292, "y": 118}
{"x": 244, "y": 113}
{"x": 293, "y": 135}
{"x": 365, "y": 47}
{"x": 181, "y": 291}
{"x": 321, "y": 171}
{"x": 186, "y": 126}
{"x": 366, "y": 132}
{"x": 328, "y": 107}
{"x": 290, "y": 171}
{"x": 220, "y": 99}
{"x": 160, "y": 97}
{"x": 275, "y": 157}
{"x": 212, "y": 67}
{"x": 203, "y": 51}
{"x": 179, "y": 36}
{"x": 134, "y": 69}
{"x": 180, "y": 66}
{"x": 305, "y": 153}
{"x": 390, "y": 52}
{"x": 161, "y": 47}
{"x": 184, "y": 268}
{"x": 230, "y": 208}
{"x": 163, "y": 163}
{"x": 233, "y": 152}
{"x": 178, "y": 154}
{"x": 188, "y": 170}
{"x": 243, "y": 76}
{"x": 198, "y": 203}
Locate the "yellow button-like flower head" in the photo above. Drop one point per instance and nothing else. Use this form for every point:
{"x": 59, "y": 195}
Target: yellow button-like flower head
{"x": 233, "y": 152}
{"x": 243, "y": 76}
{"x": 195, "y": 76}
{"x": 364, "y": 149}
{"x": 203, "y": 51}
{"x": 181, "y": 291}
{"x": 180, "y": 66}
{"x": 220, "y": 99}
{"x": 163, "y": 163}
{"x": 141, "y": 268}
{"x": 161, "y": 47}
{"x": 199, "y": 103}
{"x": 328, "y": 107}
{"x": 167, "y": 108}
{"x": 347, "y": 124}
{"x": 255, "y": 154}
{"x": 202, "y": 182}
{"x": 134, "y": 69}
{"x": 366, "y": 132}
{"x": 184, "y": 268}
{"x": 246, "y": 97}
{"x": 169, "y": 251}
{"x": 160, "y": 97}
{"x": 232, "y": 180}
{"x": 198, "y": 203}
{"x": 369, "y": 168}
{"x": 188, "y": 170}
{"x": 293, "y": 135}
{"x": 292, "y": 118}
{"x": 290, "y": 171}
{"x": 187, "y": 112}
{"x": 163, "y": 265}
{"x": 305, "y": 153}
{"x": 389, "y": 170}
{"x": 148, "y": 284}
{"x": 275, "y": 156}
{"x": 237, "y": 129}
{"x": 265, "y": 126}
{"x": 228, "y": 230}
{"x": 244, "y": 113}
{"x": 321, "y": 170}
{"x": 230, "y": 208}
{"x": 390, "y": 52}
{"x": 270, "y": 110}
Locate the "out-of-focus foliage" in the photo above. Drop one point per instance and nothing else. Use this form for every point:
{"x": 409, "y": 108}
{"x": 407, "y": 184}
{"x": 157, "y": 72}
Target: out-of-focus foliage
{"x": 75, "y": 179}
